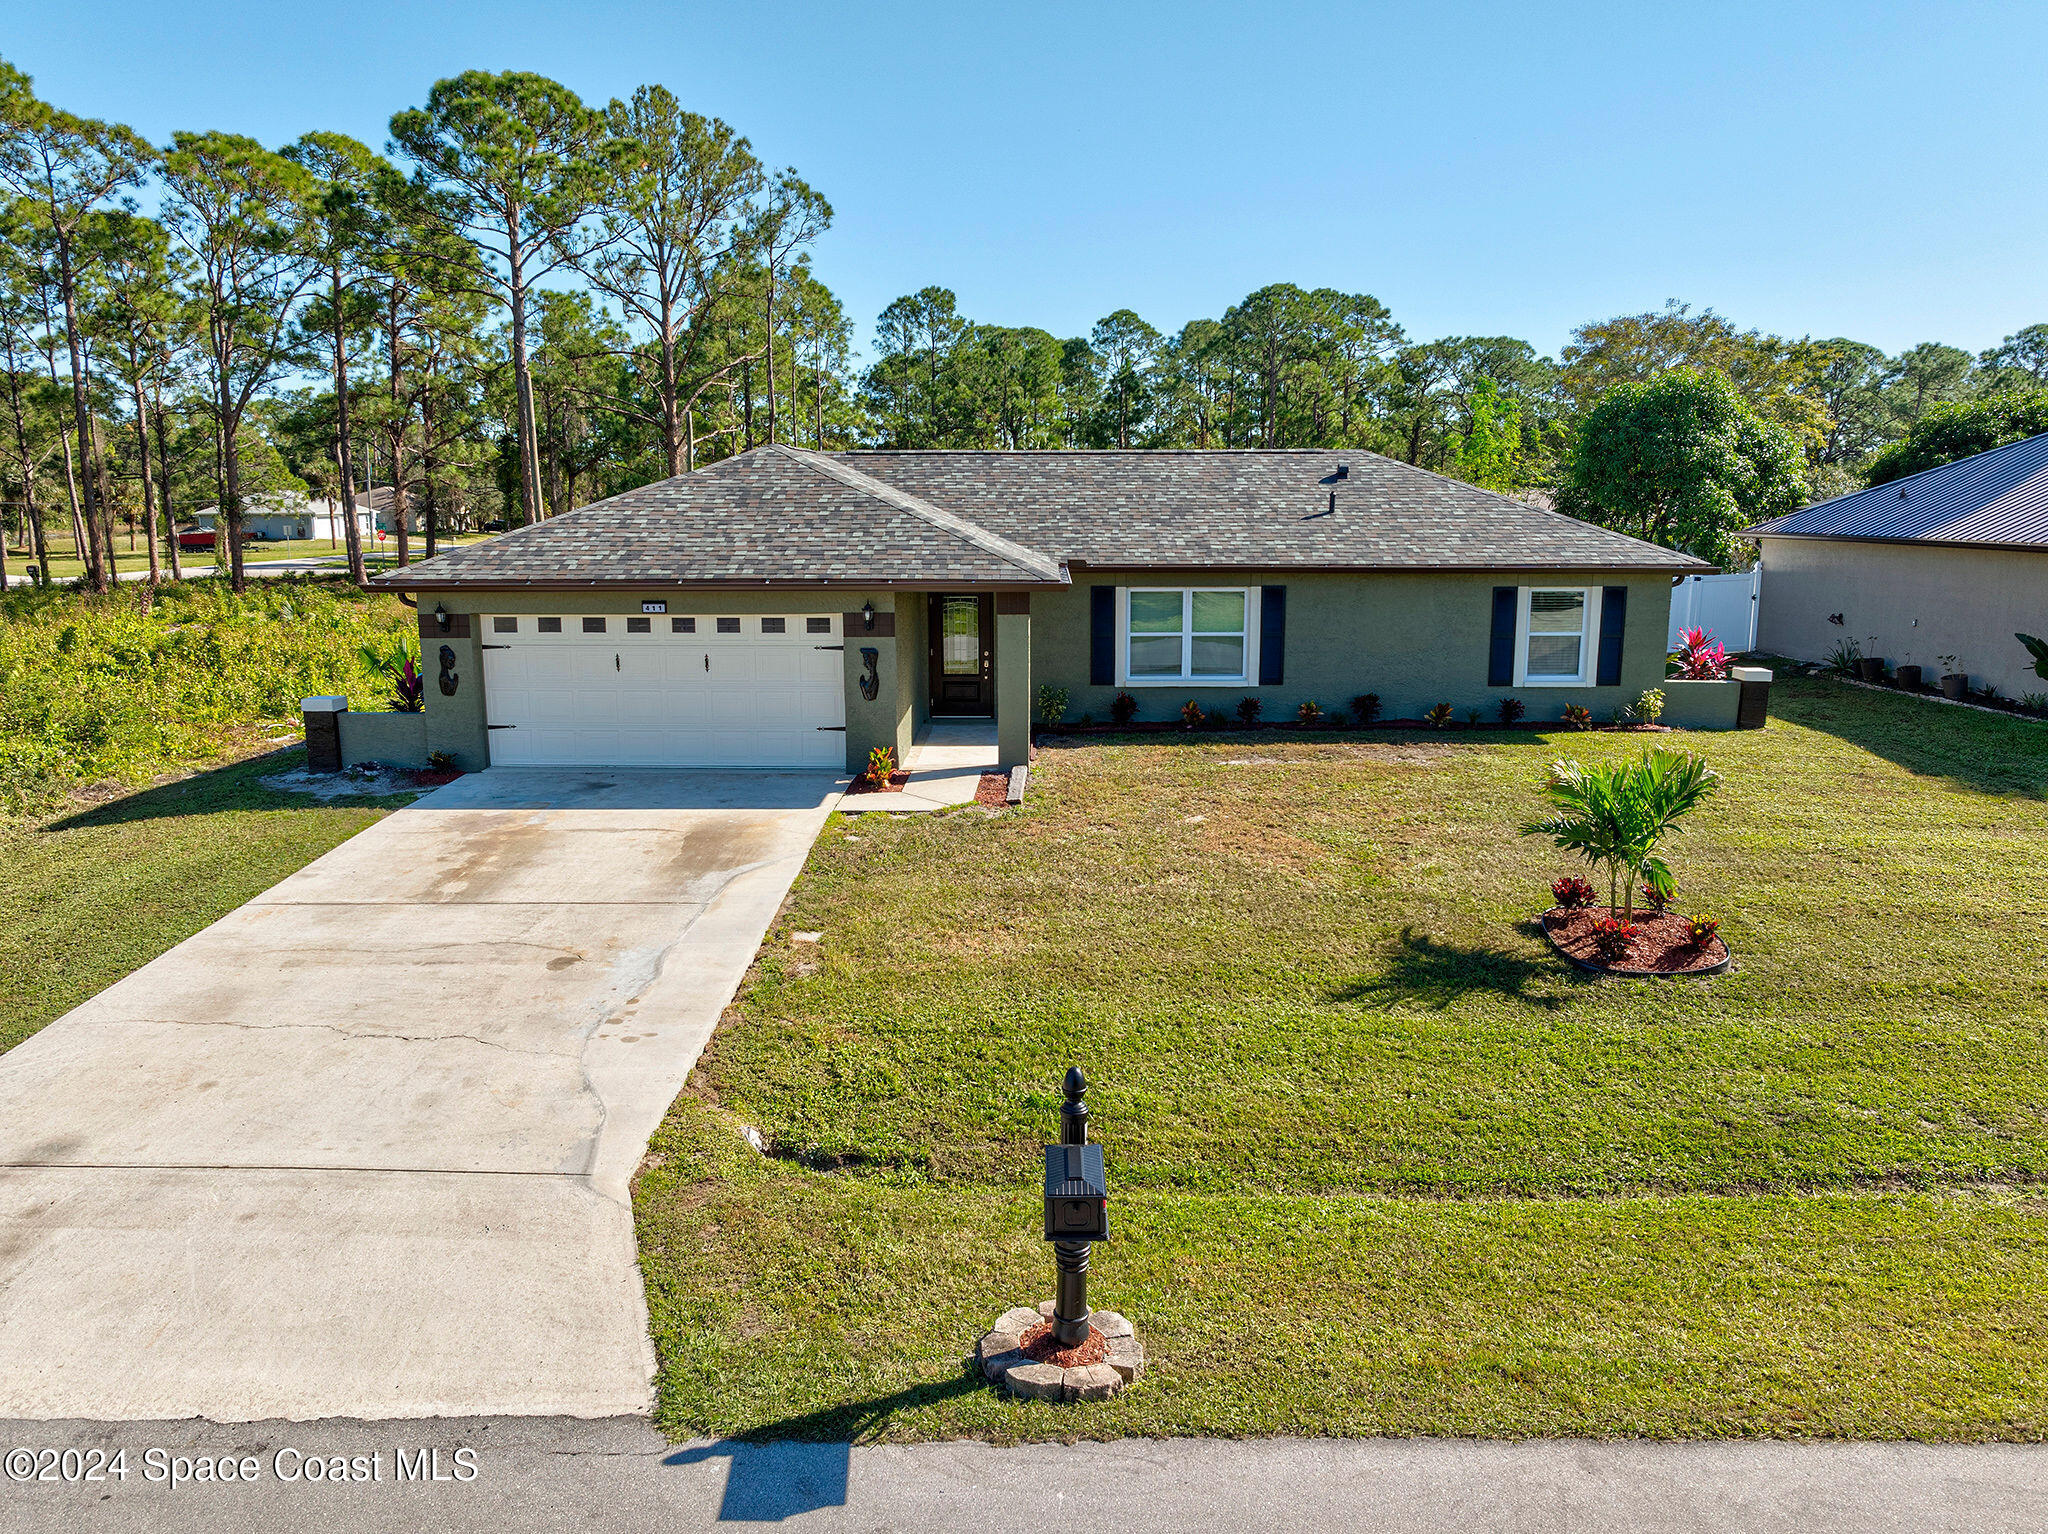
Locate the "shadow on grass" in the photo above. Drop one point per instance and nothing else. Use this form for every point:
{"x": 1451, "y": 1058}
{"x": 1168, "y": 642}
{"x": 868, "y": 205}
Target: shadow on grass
{"x": 1991, "y": 753}
{"x": 1430, "y": 972}
{"x": 802, "y": 1464}
{"x": 216, "y": 791}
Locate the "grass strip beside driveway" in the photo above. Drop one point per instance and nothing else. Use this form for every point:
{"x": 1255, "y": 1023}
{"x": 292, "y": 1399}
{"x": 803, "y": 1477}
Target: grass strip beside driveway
{"x": 92, "y": 895}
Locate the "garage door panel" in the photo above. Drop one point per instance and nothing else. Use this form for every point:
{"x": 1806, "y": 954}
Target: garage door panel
{"x": 750, "y": 699}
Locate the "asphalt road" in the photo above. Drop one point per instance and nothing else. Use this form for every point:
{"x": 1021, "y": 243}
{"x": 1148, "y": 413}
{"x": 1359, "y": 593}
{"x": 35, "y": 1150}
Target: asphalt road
{"x": 503, "y": 1474}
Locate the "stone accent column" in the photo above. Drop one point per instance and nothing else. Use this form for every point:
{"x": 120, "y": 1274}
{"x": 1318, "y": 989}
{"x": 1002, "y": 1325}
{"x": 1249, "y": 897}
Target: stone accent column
{"x": 323, "y": 732}
{"x": 1013, "y": 678}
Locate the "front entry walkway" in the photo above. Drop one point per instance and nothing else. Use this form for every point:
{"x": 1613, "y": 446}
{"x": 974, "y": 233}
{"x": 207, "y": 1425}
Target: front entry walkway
{"x": 362, "y": 1147}
{"x": 945, "y": 768}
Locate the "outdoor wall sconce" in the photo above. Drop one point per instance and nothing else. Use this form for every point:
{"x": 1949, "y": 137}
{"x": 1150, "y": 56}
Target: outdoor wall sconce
{"x": 867, "y": 617}
{"x": 440, "y": 618}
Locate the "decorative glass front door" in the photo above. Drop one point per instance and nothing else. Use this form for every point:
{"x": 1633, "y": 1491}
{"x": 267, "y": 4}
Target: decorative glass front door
{"x": 962, "y": 654}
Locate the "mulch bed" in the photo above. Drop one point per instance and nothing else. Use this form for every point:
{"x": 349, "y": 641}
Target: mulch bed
{"x": 428, "y": 777}
{"x": 867, "y": 785}
{"x": 1042, "y": 1346}
{"x": 1662, "y": 946}
{"x": 993, "y": 790}
{"x": 1457, "y": 726}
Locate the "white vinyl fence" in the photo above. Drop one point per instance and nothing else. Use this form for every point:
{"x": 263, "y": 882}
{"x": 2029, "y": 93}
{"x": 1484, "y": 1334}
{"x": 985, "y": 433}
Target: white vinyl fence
{"x": 1723, "y": 605}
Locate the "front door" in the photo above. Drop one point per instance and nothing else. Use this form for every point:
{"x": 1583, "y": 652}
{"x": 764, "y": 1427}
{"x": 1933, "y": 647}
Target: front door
{"x": 963, "y": 654}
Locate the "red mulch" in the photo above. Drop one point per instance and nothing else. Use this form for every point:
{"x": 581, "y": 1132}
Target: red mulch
{"x": 1662, "y": 946}
{"x": 428, "y": 777}
{"x": 1042, "y": 1346}
{"x": 867, "y": 785}
{"x": 994, "y": 790}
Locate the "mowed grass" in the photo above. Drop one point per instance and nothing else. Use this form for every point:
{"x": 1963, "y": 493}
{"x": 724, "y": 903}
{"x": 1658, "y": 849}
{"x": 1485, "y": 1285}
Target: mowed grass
{"x": 91, "y": 894}
{"x": 1380, "y": 1162}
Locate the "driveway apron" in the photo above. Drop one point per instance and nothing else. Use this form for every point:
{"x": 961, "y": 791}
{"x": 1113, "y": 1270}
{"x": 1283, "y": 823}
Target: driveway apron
{"x": 362, "y": 1147}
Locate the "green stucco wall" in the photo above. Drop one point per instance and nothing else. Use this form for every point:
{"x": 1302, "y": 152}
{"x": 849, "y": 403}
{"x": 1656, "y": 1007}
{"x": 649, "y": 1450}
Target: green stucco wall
{"x": 1415, "y": 639}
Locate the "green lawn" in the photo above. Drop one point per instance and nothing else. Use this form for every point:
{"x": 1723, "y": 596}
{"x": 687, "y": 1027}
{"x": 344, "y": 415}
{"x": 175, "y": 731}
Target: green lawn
{"x": 88, "y": 896}
{"x": 65, "y": 565}
{"x": 1380, "y": 1163}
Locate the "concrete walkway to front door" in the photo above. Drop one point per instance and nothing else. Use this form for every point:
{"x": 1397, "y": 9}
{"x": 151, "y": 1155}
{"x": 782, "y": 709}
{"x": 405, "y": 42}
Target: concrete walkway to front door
{"x": 945, "y": 768}
{"x": 362, "y": 1147}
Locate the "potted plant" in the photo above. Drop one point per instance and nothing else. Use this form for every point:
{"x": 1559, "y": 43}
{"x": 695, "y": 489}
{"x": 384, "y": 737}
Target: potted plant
{"x": 1954, "y": 683}
{"x": 1870, "y": 668}
{"x": 1907, "y": 675}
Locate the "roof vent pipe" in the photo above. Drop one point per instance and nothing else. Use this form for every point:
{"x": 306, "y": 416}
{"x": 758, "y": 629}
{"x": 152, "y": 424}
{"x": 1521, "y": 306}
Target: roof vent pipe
{"x": 1343, "y": 471}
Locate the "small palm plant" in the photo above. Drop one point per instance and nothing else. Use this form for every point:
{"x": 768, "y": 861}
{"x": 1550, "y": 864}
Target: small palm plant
{"x": 1614, "y": 815}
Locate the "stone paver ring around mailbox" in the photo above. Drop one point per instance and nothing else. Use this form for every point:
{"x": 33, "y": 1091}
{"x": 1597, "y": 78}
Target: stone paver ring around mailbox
{"x": 1062, "y": 1351}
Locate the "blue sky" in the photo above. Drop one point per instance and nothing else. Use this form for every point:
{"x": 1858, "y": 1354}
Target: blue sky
{"x": 1830, "y": 169}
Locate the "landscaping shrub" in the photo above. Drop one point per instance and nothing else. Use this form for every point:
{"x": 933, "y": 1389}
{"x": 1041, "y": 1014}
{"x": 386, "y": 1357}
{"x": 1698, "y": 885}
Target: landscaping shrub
{"x": 408, "y": 688}
{"x": 1699, "y": 657}
{"x": 1843, "y": 657}
{"x": 1365, "y": 708}
{"x": 1123, "y": 708}
{"x": 1336, "y": 721}
{"x": 1659, "y": 893}
{"x": 1614, "y": 814}
{"x": 1191, "y": 714}
{"x": 1578, "y": 716}
{"x": 1052, "y": 703}
{"x": 1703, "y": 929}
{"x": 122, "y": 687}
{"x": 1650, "y": 706}
{"x": 1511, "y": 710}
{"x": 1612, "y": 935}
{"x": 1571, "y": 892}
{"x": 1439, "y": 717}
{"x": 881, "y": 765}
{"x": 1248, "y": 711}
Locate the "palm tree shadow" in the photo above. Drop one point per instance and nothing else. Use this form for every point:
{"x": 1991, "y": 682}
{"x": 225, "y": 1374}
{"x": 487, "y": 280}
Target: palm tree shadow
{"x": 1427, "y": 971}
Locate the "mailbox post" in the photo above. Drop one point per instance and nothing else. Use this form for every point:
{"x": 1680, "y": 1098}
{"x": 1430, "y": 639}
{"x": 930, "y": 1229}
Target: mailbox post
{"x": 1076, "y": 1211}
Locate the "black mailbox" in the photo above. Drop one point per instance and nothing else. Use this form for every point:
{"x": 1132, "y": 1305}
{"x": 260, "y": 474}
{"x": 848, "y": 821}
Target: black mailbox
{"x": 1076, "y": 1197}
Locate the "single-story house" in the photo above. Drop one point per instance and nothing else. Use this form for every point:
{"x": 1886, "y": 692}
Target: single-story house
{"x": 1952, "y": 561}
{"x": 280, "y": 519}
{"x": 786, "y": 607}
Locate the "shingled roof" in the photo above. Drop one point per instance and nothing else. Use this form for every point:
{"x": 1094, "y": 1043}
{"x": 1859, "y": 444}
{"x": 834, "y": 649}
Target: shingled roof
{"x": 1991, "y": 500}
{"x": 782, "y": 515}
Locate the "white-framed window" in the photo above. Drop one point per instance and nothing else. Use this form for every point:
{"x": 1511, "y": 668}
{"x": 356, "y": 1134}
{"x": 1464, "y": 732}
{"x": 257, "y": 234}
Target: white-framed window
{"x": 1181, "y": 636}
{"x": 1557, "y": 636}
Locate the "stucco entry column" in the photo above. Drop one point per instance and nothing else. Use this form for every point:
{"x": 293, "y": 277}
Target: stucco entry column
{"x": 1013, "y": 678}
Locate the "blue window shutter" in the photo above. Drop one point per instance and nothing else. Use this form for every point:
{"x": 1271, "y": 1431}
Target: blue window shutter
{"x": 1613, "y": 618}
{"x": 1102, "y": 636}
{"x": 1500, "y": 656}
{"x": 1272, "y": 635}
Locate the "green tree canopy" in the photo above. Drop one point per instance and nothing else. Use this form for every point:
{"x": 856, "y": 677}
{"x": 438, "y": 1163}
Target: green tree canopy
{"x": 1956, "y": 430}
{"x": 1683, "y": 461}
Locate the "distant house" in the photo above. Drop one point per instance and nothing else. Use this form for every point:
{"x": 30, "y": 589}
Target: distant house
{"x": 280, "y": 519}
{"x": 1952, "y": 561}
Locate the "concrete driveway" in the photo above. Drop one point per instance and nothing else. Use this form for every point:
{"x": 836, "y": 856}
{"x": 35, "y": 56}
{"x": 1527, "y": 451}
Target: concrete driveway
{"x": 362, "y": 1147}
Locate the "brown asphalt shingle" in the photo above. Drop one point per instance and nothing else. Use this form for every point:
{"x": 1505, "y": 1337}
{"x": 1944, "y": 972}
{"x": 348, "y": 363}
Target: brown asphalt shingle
{"x": 782, "y": 514}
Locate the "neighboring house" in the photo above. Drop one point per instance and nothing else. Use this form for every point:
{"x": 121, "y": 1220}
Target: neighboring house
{"x": 1949, "y": 561}
{"x": 280, "y": 519}
{"x": 786, "y": 607}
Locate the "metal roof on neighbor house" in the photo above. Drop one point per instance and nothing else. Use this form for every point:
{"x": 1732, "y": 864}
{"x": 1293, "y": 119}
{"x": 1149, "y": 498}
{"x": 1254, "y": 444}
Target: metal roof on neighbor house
{"x": 1995, "y": 500}
{"x": 785, "y": 515}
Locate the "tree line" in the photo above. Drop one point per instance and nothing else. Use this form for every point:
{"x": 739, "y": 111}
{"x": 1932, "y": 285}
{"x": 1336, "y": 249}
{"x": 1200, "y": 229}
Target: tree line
{"x": 526, "y": 302}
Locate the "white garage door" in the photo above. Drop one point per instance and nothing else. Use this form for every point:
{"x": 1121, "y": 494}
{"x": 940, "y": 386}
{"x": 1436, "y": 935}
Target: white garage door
{"x": 665, "y": 691}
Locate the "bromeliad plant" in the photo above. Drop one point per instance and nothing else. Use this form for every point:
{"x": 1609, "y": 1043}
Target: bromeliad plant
{"x": 1578, "y": 717}
{"x": 408, "y": 687}
{"x": 1699, "y": 657}
{"x": 1614, "y": 815}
